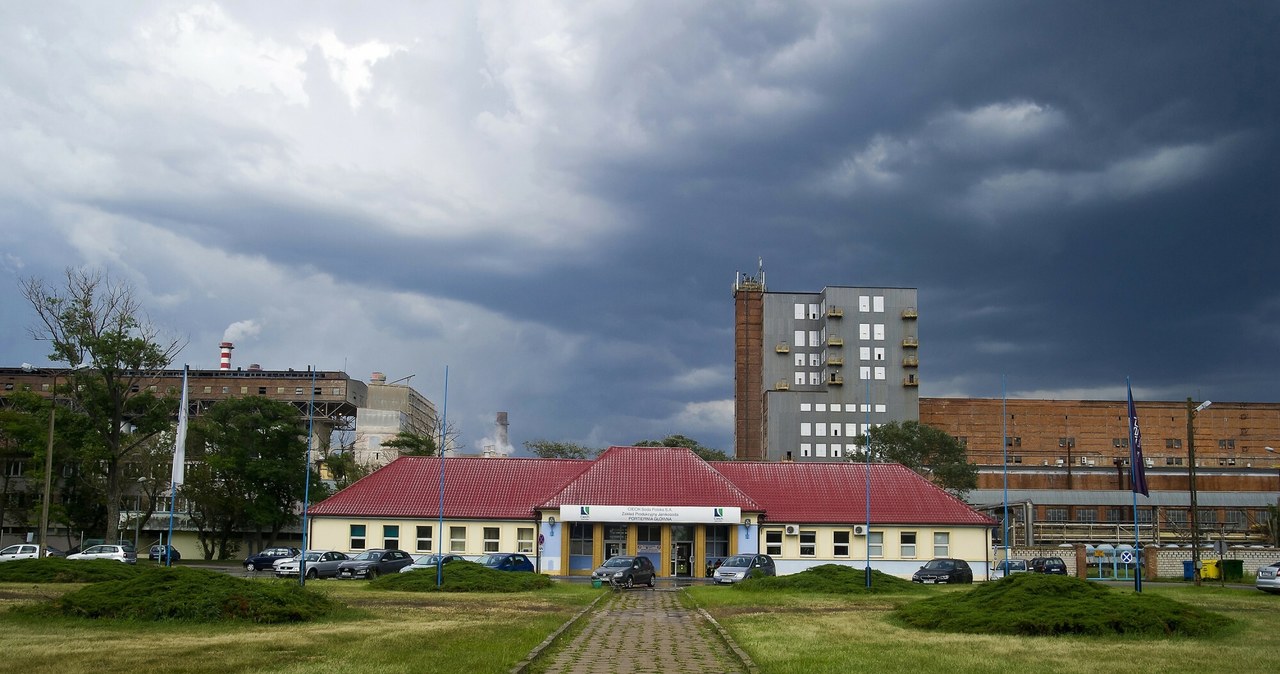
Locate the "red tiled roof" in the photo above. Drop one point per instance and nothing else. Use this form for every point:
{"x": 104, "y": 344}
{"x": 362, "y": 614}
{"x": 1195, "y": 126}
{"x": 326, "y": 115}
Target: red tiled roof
{"x": 836, "y": 492}
{"x": 663, "y": 476}
{"x": 474, "y": 488}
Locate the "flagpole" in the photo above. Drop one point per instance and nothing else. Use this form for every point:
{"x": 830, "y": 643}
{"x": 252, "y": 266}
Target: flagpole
{"x": 306, "y": 484}
{"x": 179, "y": 466}
{"x": 1137, "y": 482}
{"x": 444, "y": 416}
{"x": 1004, "y": 441}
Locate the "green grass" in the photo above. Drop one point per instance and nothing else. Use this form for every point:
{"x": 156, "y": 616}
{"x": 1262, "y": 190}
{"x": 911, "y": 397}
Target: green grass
{"x": 1034, "y": 604}
{"x": 819, "y": 633}
{"x": 383, "y": 632}
{"x": 160, "y": 594}
{"x": 57, "y": 570}
{"x": 462, "y": 576}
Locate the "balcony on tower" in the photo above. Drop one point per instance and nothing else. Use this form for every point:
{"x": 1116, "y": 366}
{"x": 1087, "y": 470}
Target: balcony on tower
{"x": 782, "y": 385}
{"x": 835, "y": 361}
{"x": 911, "y": 380}
{"x": 910, "y": 342}
{"x": 835, "y": 340}
{"x": 782, "y": 347}
{"x": 911, "y": 361}
{"x": 834, "y": 379}
{"x": 910, "y": 313}
{"x": 835, "y": 312}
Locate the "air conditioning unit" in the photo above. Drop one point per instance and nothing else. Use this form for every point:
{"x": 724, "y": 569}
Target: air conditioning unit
{"x": 859, "y": 530}
{"x": 791, "y": 530}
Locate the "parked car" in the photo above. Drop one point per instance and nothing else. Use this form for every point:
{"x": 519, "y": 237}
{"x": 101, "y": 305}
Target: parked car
{"x": 157, "y": 553}
{"x": 1053, "y": 565}
{"x": 1008, "y": 567}
{"x": 738, "y": 568}
{"x": 20, "y": 551}
{"x": 626, "y": 570}
{"x": 943, "y": 570}
{"x": 373, "y": 563}
{"x": 267, "y": 558}
{"x": 320, "y": 564}
{"x": 507, "y": 561}
{"x": 120, "y": 553}
{"x": 1269, "y": 578}
{"x": 431, "y": 561}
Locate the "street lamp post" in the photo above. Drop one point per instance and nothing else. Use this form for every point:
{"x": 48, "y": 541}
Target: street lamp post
{"x": 48, "y": 453}
{"x": 1191, "y": 475}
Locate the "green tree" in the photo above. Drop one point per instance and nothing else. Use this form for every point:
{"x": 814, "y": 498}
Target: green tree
{"x": 412, "y": 444}
{"x": 98, "y": 321}
{"x": 254, "y": 472}
{"x": 23, "y": 425}
{"x": 925, "y": 450}
{"x": 707, "y": 453}
{"x": 559, "y": 450}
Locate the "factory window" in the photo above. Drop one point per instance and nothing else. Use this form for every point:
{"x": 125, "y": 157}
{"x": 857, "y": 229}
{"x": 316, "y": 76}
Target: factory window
{"x": 821, "y": 450}
{"x": 820, "y": 407}
{"x": 799, "y": 379}
{"x": 337, "y": 391}
{"x": 879, "y": 373}
{"x": 1173, "y": 461}
{"x": 806, "y": 429}
{"x": 864, "y": 373}
{"x": 1226, "y": 444}
{"x": 208, "y": 389}
{"x": 1015, "y": 458}
{"x": 226, "y": 390}
{"x": 864, "y": 353}
{"x": 13, "y": 469}
{"x": 815, "y": 360}
{"x": 244, "y": 390}
{"x": 1086, "y": 515}
{"x": 799, "y": 337}
{"x": 799, "y": 315}
{"x": 815, "y": 378}
{"x": 1055, "y": 514}
{"x": 799, "y": 359}
{"x": 1173, "y": 443}
{"x": 879, "y": 353}
{"x": 864, "y": 303}
{"x": 262, "y": 390}
{"x": 1010, "y": 441}
{"x": 835, "y": 451}
{"x": 806, "y": 449}
{"x": 864, "y": 331}
{"x": 1115, "y": 515}
{"x": 881, "y": 408}
{"x": 279, "y": 390}
{"x": 297, "y": 391}
{"x": 878, "y": 304}
{"x": 1119, "y": 442}
{"x": 813, "y": 312}
{"x": 879, "y": 331}
{"x": 820, "y": 429}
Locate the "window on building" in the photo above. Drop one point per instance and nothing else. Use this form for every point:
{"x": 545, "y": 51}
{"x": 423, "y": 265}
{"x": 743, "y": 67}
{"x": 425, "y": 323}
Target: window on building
{"x": 813, "y": 312}
{"x": 1235, "y": 519}
{"x": 864, "y": 303}
{"x": 840, "y": 543}
{"x": 815, "y": 378}
{"x": 1173, "y": 443}
{"x": 799, "y": 313}
{"x": 524, "y": 539}
{"x": 458, "y": 539}
{"x": 1086, "y": 515}
{"x": 808, "y": 543}
{"x": 424, "y": 538}
{"x": 820, "y": 449}
{"x": 815, "y": 360}
{"x": 806, "y": 449}
{"x": 798, "y": 359}
{"x": 1145, "y": 515}
{"x": 1119, "y": 442}
{"x": 879, "y": 353}
{"x": 1055, "y": 514}
{"x": 1115, "y": 515}
{"x": 799, "y": 338}
{"x": 1177, "y": 516}
{"x": 297, "y": 391}
{"x": 1173, "y": 461}
{"x": 208, "y": 389}
{"x": 877, "y": 304}
{"x": 879, "y": 372}
{"x": 881, "y": 408}
{"x": 864, "y": 331}
{"x": 337, "y": 391}
{"x": 1015, "y": 458}
{"x": 864, "y": 353}
{"x": 941, "y": 544}
{"x": 875, "y": 544}
{"x": 1066, "y": 442}
{"x": 799, "y": 379}
{"x": 262, "y": 390}
{"x": 1207, "y": 516}
{"x": 718, "y": 541}
{"x": 1226, "y": 444}
{"x": 391, "y": 536}
{"x": 835, "y": 451}
{"x": 907, "y": 544}
{"x": 878, "y": 331}
{"x": 864, "y": 373}
{"x": 357, "y": 537}
{"x": 806, "y": 429}
{"x": 492, "y": 539}
{"x": 580, "y": 538}
{"x": 13, "y": 468}
{"x": 820, "y": 429}
{"x": 773, "y": 542}
{"x": 1011, "y": 441}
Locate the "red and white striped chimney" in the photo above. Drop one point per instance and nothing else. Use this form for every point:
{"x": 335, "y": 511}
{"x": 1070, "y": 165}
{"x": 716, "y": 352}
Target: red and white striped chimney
{"x": 225, "y": 363}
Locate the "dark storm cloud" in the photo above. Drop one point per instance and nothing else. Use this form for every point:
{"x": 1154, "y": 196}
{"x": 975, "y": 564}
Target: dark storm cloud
{"x": 554, "y": 199}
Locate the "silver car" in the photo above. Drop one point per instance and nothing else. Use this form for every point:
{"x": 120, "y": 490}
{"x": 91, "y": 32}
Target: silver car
{"x": 1269, "y": 578}
{"x": 320, "y": 564}
{"x": 740, "y": 567}
{"x": 120, "y": 553}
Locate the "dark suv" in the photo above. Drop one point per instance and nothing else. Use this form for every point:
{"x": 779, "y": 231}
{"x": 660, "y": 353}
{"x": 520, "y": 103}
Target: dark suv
{"x": 1053, "y": 565}
{"x": 944, "y": 570}
{"x": 626, "y": 570}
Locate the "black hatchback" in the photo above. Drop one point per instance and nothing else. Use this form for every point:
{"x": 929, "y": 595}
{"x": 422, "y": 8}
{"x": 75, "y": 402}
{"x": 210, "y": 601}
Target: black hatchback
{"x": 626, "y": 571}
{"x": 943, "y": 570}
{"x": 1053, "y": 565}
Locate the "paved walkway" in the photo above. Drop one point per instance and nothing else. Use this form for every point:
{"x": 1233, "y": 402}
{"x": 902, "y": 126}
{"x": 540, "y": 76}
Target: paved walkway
{"x": 643, "y": 630}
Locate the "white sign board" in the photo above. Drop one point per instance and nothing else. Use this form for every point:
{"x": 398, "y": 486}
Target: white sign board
{"x": 656, "y": 514}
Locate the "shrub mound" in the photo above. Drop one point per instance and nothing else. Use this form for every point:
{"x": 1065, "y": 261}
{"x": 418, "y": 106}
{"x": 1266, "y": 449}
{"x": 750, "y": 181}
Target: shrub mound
{"x": 196, "y": 595}
{"x": 58, "y": 570}
{"x": 830, "y": 579}
{"x": 461, "y": 577}
{"x": 1033, "y": 604}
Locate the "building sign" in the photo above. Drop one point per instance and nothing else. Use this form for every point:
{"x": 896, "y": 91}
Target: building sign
{"x": 655, "y": 514}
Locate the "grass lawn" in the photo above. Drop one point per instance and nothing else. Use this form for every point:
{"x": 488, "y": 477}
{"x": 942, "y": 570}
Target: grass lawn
{"x": 384, "y": 632}
{"x": 808, "y": 633}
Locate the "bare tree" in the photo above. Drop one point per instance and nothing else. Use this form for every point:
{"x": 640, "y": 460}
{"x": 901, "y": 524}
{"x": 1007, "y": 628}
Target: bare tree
{"x": 98, "y": 321}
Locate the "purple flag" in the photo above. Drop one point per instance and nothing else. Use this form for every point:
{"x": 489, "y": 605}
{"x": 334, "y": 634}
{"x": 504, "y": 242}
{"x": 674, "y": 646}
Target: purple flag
{"x": 1137, "y": 466}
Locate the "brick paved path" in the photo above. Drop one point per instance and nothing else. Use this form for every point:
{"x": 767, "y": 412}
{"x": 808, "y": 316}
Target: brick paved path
{"x": 646, "y": 630}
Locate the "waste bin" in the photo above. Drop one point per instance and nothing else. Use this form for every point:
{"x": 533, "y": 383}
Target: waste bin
{"x": 1188, "y": 570}
{"x": 1233, "y": 569}
{"x": 1210, "y": 569}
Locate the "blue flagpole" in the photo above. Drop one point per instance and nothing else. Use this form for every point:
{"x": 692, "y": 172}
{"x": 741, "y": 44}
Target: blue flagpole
{"x": 306, "y": 484}
{"x": 867, "y": 435}
{"x": 444, "y": 416}
{"x": 1004, "y": 440}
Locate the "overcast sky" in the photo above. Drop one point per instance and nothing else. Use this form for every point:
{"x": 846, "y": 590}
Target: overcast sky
{"x": 552, "y": 198}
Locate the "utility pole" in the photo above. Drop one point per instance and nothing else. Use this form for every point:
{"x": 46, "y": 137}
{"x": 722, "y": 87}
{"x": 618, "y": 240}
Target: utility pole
{"x": 1191, "y": 474}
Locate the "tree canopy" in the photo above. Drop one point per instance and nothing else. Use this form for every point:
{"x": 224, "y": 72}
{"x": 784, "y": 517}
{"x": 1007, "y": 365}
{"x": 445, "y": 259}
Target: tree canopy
{"x": 98, "y": 322}
{"x": 412, "y": 444}
{"x": 707, "y": 453}
{"x": 547, "y": 449}
{"x": 925, "y": 450}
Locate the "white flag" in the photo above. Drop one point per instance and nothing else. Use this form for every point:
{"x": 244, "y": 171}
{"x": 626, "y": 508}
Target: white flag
{"x": 180, "y": 442}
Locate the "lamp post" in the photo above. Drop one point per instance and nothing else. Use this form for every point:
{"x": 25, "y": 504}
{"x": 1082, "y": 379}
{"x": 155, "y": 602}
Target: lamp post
{"x": 48, "y": 453}
{"x": 1191, "y": 475}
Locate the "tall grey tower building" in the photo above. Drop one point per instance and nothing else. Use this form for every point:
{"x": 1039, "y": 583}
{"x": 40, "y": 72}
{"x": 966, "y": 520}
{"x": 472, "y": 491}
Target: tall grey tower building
{"x": 812, "y": 370}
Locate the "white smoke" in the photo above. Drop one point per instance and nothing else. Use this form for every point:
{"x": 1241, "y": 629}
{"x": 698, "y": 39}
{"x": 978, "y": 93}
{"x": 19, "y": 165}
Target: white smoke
{"x": 240, "y": 330}
{"x": 496, "y": 445}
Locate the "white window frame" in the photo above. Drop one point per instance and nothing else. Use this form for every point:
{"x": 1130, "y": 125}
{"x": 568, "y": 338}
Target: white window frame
{"x": 773, "y": 542}
{"x": 875, "y": 544}
{"x": 907, "y": 550}
{"x": 492, "y": 539}
{"x": 428, "y": 539}
{"x": 809, "y": 549}
{"x": 524, "y": 539}
{"x": 840, "y": 548}
{"x": 877, "y": 304}
{"x": 457, "y": 543}
{"x": 941, "y": 544}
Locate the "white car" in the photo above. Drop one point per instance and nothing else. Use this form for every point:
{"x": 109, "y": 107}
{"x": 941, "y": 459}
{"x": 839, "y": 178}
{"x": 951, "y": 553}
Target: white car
{"x": 1269, "y": 578}
{"x": 320, "y": 564}
{"x": 20, "y": 551}
{"x": 120, "y": 553}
